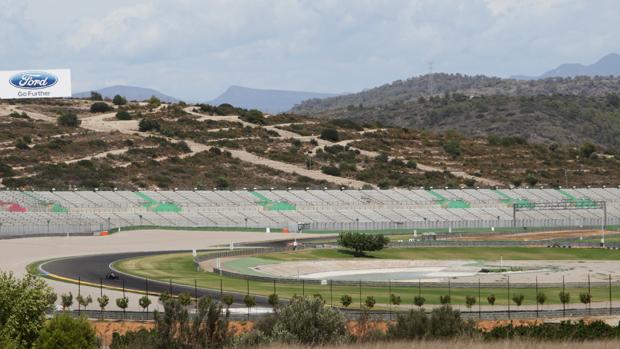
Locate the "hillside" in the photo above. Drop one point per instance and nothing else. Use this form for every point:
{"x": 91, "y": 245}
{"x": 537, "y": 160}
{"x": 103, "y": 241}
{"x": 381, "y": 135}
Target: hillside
{"x": 570, "y": 120}
{"x": 203, "y": 146}
{"x": 132, "y": 93}
{"x": 606, "y": 66}
{"x": 405, "y": 91}
{"x": 270, "y": 101}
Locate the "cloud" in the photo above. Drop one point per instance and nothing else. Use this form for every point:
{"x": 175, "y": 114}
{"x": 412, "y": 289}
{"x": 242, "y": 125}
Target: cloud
{"x": 194, "y": 49}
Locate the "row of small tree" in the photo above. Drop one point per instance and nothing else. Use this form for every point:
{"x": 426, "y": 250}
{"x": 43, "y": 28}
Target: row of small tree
{"x": 470, "y": 301}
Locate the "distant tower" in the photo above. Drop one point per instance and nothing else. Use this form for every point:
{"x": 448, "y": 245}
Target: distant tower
{"x": 430, "y": 78}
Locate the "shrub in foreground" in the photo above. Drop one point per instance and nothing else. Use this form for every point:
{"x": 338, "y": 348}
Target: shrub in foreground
{"x": 67, "y": 332}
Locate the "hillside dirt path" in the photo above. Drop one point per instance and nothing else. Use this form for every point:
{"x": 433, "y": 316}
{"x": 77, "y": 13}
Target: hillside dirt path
{"x": 102, "y": 123}
{"x": 8, "y": 109}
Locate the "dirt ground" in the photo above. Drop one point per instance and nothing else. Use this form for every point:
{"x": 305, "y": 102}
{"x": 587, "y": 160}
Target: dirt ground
{"x": 105, "y": 329}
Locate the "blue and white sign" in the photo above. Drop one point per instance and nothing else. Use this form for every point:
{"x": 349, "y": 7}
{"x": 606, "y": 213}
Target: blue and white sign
{"x": 35, "y": 83}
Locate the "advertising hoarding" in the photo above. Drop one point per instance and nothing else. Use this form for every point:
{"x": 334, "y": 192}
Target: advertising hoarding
{"x": 35, "y": 83}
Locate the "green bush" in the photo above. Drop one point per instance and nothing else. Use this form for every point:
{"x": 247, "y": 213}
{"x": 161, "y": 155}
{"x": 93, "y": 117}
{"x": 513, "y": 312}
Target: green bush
{"x": 413, "y": 325}
{"x": 69, "y": 119}
{"x": 146, "y": 125}
{"x": 65, "y": 332}
{"x": 452, "y": 147}
{"x": 308, "y": 321}
{"x": 331, "y": 170}
{"x": 100, "y": 107}
{"x": 446, "y": 322}
{"x": 141, "y": 339}
{"x": 119, "y": 100}
{"x": 95, "y": 96}
{"x": 123, "y": 115}
{"x": 330, "y": 134}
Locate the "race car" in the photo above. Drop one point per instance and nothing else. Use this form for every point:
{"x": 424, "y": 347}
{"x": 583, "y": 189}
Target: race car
{"x": 111, "y": 276}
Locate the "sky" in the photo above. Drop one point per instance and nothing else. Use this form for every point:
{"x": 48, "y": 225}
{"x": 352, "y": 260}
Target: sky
{"x": 195, "y": 49}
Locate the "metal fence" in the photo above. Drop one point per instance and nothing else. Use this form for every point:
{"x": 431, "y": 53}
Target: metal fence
{"x": 354, "y": 314}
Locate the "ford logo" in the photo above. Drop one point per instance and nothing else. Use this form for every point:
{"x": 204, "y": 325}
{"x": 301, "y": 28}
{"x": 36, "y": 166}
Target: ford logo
{"x": 33, "y": 80}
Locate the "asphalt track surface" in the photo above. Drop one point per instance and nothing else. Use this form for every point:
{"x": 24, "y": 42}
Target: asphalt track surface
{"x": 92, "y": 270}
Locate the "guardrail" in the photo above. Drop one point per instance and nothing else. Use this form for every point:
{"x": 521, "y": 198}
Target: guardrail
{"x": 435, "y": 284}
{"x": 354, "y": 314}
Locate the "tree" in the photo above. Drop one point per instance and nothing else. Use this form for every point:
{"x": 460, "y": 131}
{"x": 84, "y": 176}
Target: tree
{"x": 144, "y": 302}
{"x": 419, "y": 301}
{"x": 119, "y": 100}
{"x": 122, "y": 303}
{"x": 84, "y": 301}
{"x": 330, "y": 134}
{"x": 587, "y": 149}
{"x": 517, "y": 298}
{"x": 100, "y": 107}
{"x": 541, "y": 298}
{"x": 306, "y": 320}
{"x": 585, "y": 298}
{"x": 207, "y": 328}
{"x": 95, "y": 96}
{"x": 123, "y": 115}
{"x": 346, "y": 300}
{"x": 23, "y": 303}
{"x": 249, "y": 301}
{"x": 452, "y": 147}
{"x": 185, "y": 299}
{"x": 445, "y": 299}
{"x": 64, "y": 331}
{"x": 274, "y": 301}
{"x": 395, "y": 300}
{"x": 370, "y": 302}
{"x": 470, "y": 301}
{"x": 361, "y": 243}
{"x": 413, "y": 325}
{"x": 154, "y": 102}
{"x": 445, "y": 322}
{"x": 491, "y": 299}
{"x": 103, "y": 301}
{"x": 228, "y": 300}
{"x": 69, "y": 119}
{"x": 66, "y": 300}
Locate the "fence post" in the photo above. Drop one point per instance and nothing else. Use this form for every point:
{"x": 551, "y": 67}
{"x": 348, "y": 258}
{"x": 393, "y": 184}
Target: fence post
{"x": 536, "y": 296}
{"x": 508, "y": 285}
{"x": 479, "y": 310}
{"x": 563, "y": 291}
{"x": 360, "y": 294}
{"x": 196, "y": 293}
{"x": 590, "y": 295}
{"x": 390, "y": 297}
{"x": 79, "y": 294}
{"x": 609, "y": 294}
{"x": 331, "y": 293}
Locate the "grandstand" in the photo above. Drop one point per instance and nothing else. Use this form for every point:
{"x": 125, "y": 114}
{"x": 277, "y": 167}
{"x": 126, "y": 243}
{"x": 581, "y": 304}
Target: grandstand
{"x": 24, "y": 213}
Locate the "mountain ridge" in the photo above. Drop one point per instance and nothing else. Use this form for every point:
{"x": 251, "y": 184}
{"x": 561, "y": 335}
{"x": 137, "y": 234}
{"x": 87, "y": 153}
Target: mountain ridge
{"x": 605, "y": 66}
{"x": 132, "y": 93}
{"x": 267, "y": 100}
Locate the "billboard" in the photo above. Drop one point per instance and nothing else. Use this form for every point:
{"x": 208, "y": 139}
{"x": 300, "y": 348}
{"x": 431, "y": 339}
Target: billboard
{"x": 35, "y": 83}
